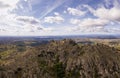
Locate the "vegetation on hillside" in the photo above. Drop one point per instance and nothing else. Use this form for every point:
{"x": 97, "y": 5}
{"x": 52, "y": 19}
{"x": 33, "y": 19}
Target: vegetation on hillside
{"x": 59, "y": 59}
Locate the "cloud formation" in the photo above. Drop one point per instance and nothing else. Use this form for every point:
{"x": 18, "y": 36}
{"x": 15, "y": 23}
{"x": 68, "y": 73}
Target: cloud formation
{"x": 54, "y": 19}
{"x": 88, "y": 25}
{"x": 112, "y": 14}
{"x": 56, "y": 16}
{"x": 103, "y": 16}
{"x": 89, "y": 22}
{"x": 2, "y": 5}
{"x": 28, "y": 19}
{"x": 74, "y": 11}
{"x": 8, "y": 5}
{"x": 12, "y": 23}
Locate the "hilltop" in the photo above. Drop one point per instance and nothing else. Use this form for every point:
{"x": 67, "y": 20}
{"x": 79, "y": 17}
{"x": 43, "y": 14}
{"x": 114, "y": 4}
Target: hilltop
{"x": 63, "y": 59}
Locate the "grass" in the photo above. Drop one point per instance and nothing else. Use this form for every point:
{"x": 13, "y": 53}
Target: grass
{"x": 6, "y": 53}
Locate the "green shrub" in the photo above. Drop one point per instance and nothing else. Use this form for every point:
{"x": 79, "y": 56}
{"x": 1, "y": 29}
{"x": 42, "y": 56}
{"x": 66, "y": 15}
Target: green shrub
{"x": 59, "y": 70}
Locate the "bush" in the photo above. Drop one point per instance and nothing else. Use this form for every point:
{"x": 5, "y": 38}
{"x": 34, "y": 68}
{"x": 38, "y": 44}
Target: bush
{"x": 59, "y": 70}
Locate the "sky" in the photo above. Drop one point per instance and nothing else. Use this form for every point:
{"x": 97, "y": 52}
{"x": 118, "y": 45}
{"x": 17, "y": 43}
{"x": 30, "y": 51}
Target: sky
{"x": 59, "y": 17}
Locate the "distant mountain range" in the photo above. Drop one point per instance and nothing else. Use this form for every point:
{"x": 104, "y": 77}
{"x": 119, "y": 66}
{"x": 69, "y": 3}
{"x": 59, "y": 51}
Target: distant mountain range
{"x": 95, "y": 36}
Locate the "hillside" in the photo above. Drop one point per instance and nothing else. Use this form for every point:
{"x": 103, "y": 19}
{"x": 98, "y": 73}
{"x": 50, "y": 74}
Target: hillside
{"x": 62, "y": 59}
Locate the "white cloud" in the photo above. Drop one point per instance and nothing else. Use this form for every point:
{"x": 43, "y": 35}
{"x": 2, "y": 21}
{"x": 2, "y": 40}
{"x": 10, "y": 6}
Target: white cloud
{"x": 54, "y": 19}
{"x": 8, "y": 22}
{"x": 2, "y": 5}
{"x": 31, "y": 28}
{"x": 56, "y": 13}
{"x": 20, "y": 23}
{"x": 93, "y": 29}
{"x": 9, "y": 4}
{"x": 114, "y": 30}
{"x": 12, "y": 21}
{"x": 88, "y": 25}
{"x": 12, "y": 24}
{"x": 31, "y": 24}
{"x": 112, "y": 14}
{"x": 75, "y": 21}
{"x": 76, "y": 12}
{"x": 25, "y": 0}
{"x": 105, "y": 16}
{"x": 17, "y": 24}
{"x": 64, "y": 12}
{"x": 89, "y": 22}
{"x": 28, "y": 19}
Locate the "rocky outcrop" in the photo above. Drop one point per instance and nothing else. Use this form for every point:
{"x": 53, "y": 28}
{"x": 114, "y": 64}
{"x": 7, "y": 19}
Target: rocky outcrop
{"x": 65, "y": 59}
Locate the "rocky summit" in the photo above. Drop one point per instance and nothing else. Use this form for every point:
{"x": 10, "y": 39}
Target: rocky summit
{"x": 63, "y": 59}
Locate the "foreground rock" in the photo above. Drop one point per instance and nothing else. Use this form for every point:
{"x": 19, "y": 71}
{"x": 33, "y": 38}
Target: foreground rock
{"x": 64, "y": 59}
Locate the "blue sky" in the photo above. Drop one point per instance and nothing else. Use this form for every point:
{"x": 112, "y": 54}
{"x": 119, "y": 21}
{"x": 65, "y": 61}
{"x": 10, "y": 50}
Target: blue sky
{"x": 59, "y": 17}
